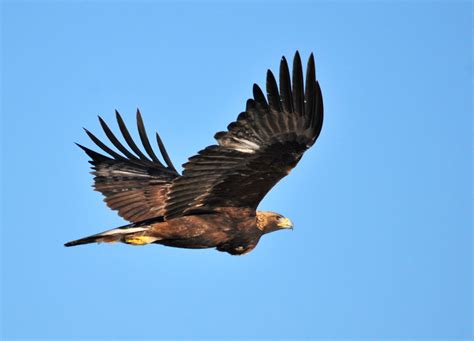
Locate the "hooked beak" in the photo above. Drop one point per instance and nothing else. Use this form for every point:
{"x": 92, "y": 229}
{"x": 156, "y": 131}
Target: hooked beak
{"x": 285, "y": 223}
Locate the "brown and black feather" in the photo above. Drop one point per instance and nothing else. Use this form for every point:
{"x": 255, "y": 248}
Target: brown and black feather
{"x": 213, "y": 203}
{"x": 133, "y": 184}
{"x": 257, "y": 150}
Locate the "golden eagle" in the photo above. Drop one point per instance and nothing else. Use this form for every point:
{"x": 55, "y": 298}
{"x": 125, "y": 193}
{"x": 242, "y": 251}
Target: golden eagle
{"x": 213, "y": 203}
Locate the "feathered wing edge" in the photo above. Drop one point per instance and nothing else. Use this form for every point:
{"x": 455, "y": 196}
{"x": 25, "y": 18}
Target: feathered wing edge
{"x": 140, "y": 158}
{"x": 258, "y": 149}
{"x": 133, "y": 183}
{"x": 294, "y": 108}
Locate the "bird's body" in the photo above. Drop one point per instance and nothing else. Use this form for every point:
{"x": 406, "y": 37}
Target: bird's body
{"x": 213, "y": 203}
{"x": 234, "y": 230}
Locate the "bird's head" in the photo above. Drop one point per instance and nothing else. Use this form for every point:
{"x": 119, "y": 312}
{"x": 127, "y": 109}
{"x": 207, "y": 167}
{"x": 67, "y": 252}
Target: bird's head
{"x": 271, "y": 221}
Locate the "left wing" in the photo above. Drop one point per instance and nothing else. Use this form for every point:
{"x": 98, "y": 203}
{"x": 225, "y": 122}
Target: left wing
{"x": 258, "y": 150}
{"x": 134, "y": 184}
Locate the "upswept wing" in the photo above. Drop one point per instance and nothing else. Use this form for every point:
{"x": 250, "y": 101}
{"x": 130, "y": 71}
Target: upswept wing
{"x": 260, "y": 148}
{"x": 134, "y": 184}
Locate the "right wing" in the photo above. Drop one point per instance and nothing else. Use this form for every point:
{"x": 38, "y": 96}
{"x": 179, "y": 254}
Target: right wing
{"x": 261, "y": 147}
{"x": 135, "y": 185}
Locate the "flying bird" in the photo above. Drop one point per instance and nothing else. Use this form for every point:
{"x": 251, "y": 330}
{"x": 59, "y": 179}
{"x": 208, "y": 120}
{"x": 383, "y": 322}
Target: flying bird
{"x": 213, "y": 203}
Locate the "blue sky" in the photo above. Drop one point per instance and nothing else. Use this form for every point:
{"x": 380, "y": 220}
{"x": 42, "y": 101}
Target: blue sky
{"x": 382, "y": 246}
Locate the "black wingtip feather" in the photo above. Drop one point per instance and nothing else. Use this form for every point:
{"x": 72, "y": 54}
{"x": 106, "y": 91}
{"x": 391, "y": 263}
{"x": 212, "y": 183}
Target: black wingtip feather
{"x": 285, "y": 86}
{"x": 144, "y": 138}
{"x": 319, "y": 108}
{"x": 272, "y": 92}
{"x": 259, "y": 96}
{"x": 164, "y": 153}
{"x": 115, "y": 141}
{"x": 250, "y": 105}
{"x": 128, "y": 138}
{"x": 298, "y": 99}
{"x": 310, "y": 92}
{"x": 102, "y": 146}
{"x": 142, "y": 158}
{"x": 92, "y": 154}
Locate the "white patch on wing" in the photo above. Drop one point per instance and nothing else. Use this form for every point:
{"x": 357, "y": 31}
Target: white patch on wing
{"x": 239, "y": 144}
{"x": 243, "y": 145}
{"x": 123, "y": 231}
{"x": 128, "y": 173}
{"x": 251, "y": 144}
{"x": 250, "y": 151}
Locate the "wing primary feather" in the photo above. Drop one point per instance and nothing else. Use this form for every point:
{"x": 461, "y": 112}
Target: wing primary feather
{"x": 319, "y": 108}
{"x": 285, "y": 86}
{"x": 115, "y": 141}
{"x": 259, "y": 96}
{"x": 164, "y": 153}
{"x": 298, "y": 84}
{"x": 252, "y": 107}
{"x": 283, "y": 123}
{"x": 272, "y": 92}
{"x": 280, "y": 121}
{"x": 249, "y": 105}
{"x": 144, "y": 138}
{"x": 310, "y": 92}
{"x": 93, "y": 155}
{"x": 128, "y": 138}
{"x": 104, "y": 147}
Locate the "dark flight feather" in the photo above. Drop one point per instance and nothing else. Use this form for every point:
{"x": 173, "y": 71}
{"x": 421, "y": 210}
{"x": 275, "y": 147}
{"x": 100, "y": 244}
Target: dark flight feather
{"x": 144, "y": 138}
{"x": 265, "y": 142}
{"x": 298, "y": 97}
{"x": 259, "y": 96}
{"x": 103, "y": 146}
{"x": 164, "y": 153}
{"x": 285, "y": 87}
{"x": 213, "y": 203}
{"x": 257, "y": 150}
{"x": 272, "y": 92}
{"x": 309, "y": 90}
{"x": 136, "y": 187}
{"x": 115, "y": 141}
{"x": 128, "y": 138}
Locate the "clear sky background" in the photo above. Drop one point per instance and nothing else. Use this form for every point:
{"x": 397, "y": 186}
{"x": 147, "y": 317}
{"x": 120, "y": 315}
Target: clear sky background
{"x": 382, "y": 246}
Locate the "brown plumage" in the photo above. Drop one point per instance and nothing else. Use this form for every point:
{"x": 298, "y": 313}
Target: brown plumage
{"x": 213, "y": 203}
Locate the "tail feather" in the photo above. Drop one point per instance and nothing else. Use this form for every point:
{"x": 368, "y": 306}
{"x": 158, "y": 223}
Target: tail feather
{"x": 130, "y": 234}
{"x": 109, "y": 236}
